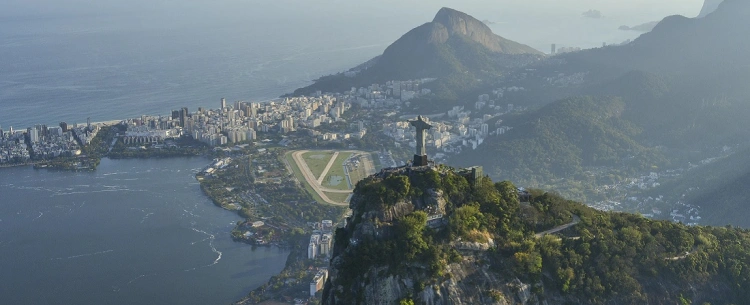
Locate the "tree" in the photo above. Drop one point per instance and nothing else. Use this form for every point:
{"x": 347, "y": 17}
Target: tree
{"x": 464, "y": 220}
{"x": 528, "y": 263}
{"x": 508, "y": 191}
{"x": 410, "y": 229}
{"x": 406, "y": 302}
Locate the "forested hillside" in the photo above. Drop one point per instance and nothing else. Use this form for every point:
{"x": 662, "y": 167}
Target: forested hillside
{"x": 562, "y": 138}
{"x": 488, "y": 247}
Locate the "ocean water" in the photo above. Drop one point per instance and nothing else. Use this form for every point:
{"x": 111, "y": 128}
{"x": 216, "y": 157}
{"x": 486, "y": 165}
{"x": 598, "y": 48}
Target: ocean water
{"x": 133, "y": 232}
{"x": 114, "y": 59}
{"x": 116, "y": 64}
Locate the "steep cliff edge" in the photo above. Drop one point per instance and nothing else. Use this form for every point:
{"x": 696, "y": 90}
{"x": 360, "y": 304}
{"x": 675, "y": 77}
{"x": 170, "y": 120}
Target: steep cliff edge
{"x": 434, "y": 235}
{"x": 459, "y": 23}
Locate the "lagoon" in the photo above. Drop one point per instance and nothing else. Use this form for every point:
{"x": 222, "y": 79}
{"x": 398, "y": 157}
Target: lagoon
{"x": 132, "y": 232}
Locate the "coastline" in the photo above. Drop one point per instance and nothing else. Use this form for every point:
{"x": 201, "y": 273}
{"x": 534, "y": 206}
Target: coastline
{"x": 284, "y": 207}
{"x": 277, "y": 213}
{"x": 279, "y": 202}
{"x": 10, "y": 165}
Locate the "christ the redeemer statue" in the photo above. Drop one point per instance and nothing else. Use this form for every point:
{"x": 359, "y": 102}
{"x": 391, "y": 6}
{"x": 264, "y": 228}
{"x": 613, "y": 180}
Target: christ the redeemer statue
{"x": 420, "y": 158}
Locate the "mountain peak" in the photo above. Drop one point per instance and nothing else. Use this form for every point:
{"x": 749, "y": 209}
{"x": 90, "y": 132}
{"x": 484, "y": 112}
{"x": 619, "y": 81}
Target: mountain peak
{"x": 450, "y": 45}
{"x": 738, "y": 10}
{"x": 448, "y": 13}
{"x": 463, "y": 24}
{"x": 459, "y": 23}
{"x": 709, "y": 6}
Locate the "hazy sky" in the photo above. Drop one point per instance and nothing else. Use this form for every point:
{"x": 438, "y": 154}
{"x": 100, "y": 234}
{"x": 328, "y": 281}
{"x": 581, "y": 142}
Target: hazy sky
{"x": 397, "y": 7}
{"x": 534, "y": 22}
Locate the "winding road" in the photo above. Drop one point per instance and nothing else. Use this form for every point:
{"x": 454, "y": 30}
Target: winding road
{"x": 554, "y": 230}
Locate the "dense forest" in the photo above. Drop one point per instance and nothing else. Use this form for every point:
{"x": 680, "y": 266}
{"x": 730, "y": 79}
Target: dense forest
{"x": 560, "y": 139}
{"x": 604, "y": 258}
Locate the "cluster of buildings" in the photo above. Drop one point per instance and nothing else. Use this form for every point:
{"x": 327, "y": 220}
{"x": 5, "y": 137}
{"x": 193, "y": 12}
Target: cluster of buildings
{"x": 633, "y": 194}
{"x": 13, "y": 148}
{"x": 321, "y": 240}
{"x": 241, "y": 121}
{"x": 153, "y": 129}
{"x": 43, "y": 142}
{"x": 562, "y": 50}
{"x": 217, "y": 165}
{"x": 459, "y": 128}
{"x": 567, "y": 80}
{"x": 85, "y": 134}
{"x": 393, "y": 93}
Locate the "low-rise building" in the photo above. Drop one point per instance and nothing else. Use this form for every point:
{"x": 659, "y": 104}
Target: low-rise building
{"x": 318, "y": 281}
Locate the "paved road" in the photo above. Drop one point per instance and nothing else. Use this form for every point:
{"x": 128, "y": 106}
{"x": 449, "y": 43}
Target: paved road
{"x": 554, "y": 230}
{"x": 684, "y": 256}
{"x": 328, "y": 167}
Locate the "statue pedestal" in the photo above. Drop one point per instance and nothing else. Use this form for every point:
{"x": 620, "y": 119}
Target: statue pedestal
{"x": 419, "y": 160}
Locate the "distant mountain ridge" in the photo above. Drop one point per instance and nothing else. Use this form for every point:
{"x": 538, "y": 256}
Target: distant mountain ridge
{"x": 682, "y": 90}
{"x": 451, "y": 44}
{"x": 709, "y": 7}
{"x": 644, "y": 27}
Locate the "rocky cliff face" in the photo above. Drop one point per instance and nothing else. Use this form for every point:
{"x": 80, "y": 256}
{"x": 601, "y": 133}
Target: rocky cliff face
{"x": 471, "y": 283}
{"x": 434, "y": 235}
{"x": 467, "y": 280}
{"x": 449, "y": 23}
{"x": 453, "y": 42}
{"x": 452, "y": 22}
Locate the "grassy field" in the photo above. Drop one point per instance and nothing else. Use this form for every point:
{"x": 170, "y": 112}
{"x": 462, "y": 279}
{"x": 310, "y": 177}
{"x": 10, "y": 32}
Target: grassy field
{"x": 337, "y": 170}
{"x": 335, "y": 179}
{"x": 317, "y": 161}
{"x": 337, "y": 197}
{"x": 301, "y": 178}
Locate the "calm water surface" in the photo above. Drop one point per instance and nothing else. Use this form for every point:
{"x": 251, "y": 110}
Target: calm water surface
{"x": 133, "y": 232}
